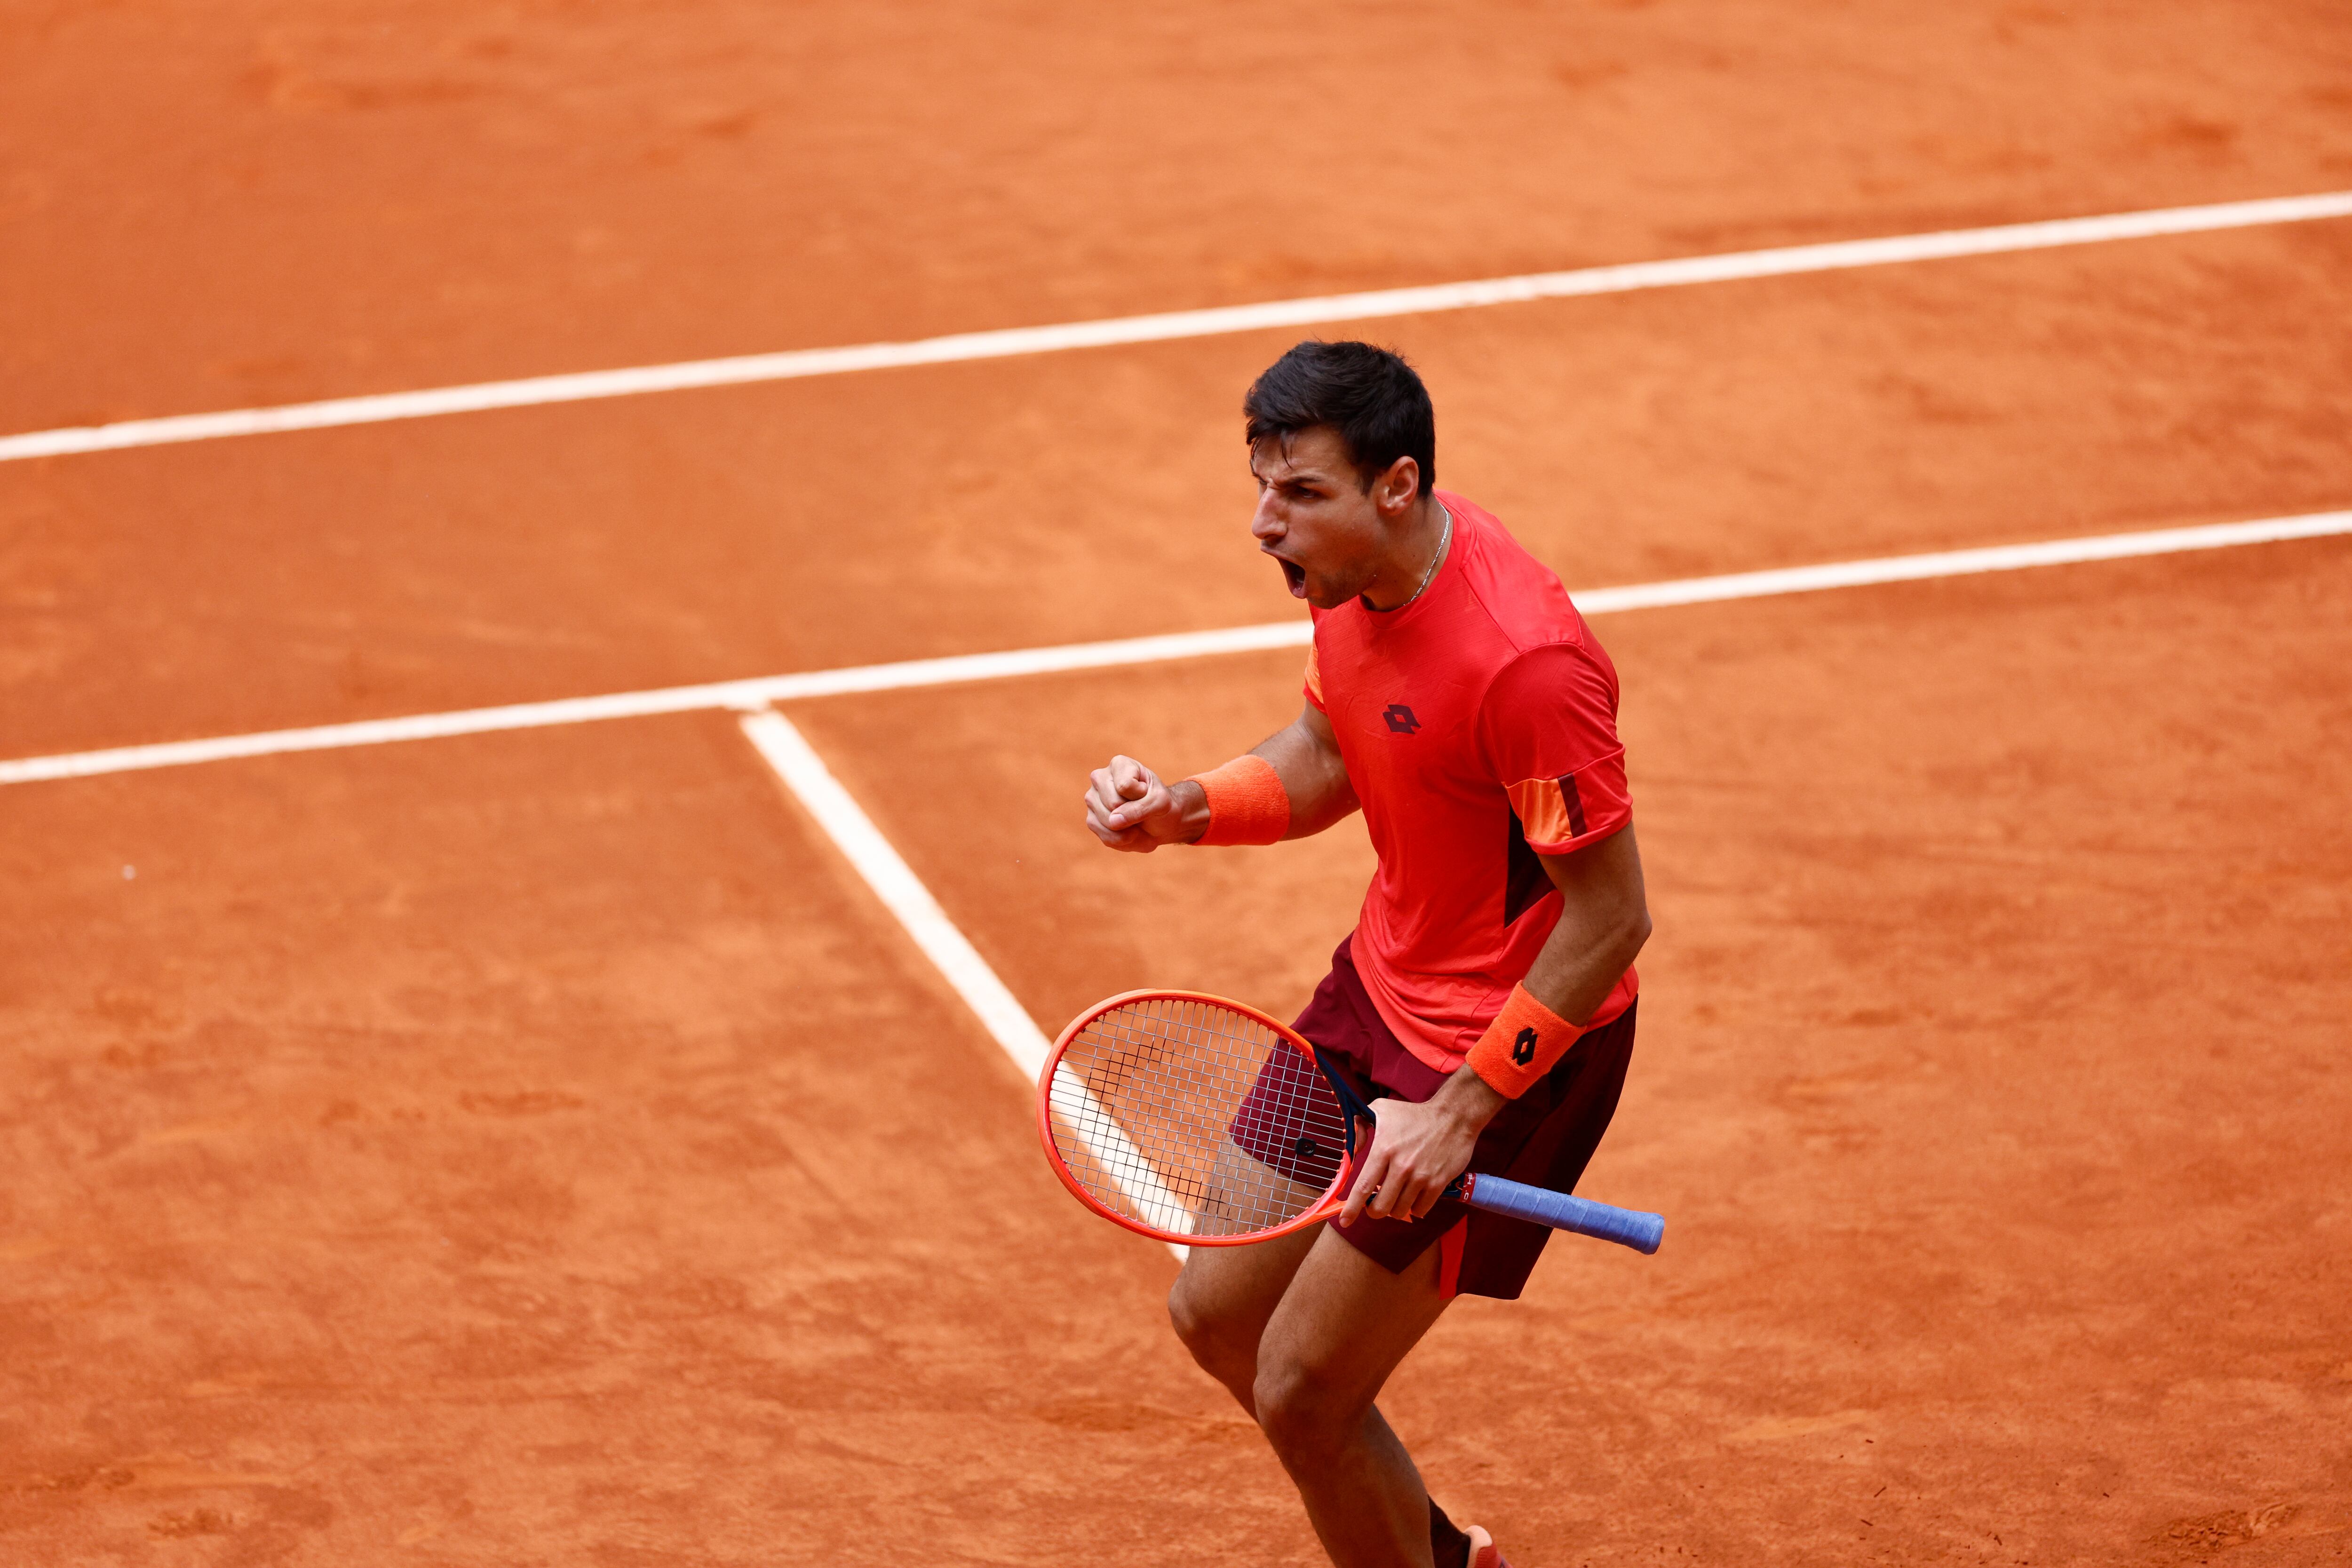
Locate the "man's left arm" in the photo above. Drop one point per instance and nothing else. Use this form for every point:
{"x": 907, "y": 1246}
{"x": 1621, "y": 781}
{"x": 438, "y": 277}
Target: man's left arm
{"x": 1604, "y": 918}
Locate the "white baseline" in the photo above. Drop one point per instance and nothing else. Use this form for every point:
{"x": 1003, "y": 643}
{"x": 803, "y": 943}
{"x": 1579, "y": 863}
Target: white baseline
{"x": 760, "y": 691}
{"x": 583, "y": 386}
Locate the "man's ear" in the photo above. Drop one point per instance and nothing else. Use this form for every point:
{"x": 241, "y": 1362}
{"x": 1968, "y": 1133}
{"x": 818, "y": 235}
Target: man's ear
{"x": 1397, "y": 487}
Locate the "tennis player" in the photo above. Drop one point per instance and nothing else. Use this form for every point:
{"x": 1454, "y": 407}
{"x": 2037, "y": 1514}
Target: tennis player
{"x": 1485, "y": 1001}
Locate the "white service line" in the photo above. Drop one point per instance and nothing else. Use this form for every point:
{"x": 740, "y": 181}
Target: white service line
{"x": 903, "y": 894}
{"x": 961, "y": 668}
{"x": 1963, "y": 562}
{"x": 738, "y": 370}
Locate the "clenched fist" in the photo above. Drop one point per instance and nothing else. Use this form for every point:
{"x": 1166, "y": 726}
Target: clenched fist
{"x": 1127, "y": 808}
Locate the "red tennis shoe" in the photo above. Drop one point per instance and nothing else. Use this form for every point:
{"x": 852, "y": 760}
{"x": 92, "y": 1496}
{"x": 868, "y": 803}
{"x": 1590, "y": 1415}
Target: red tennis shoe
{"x": 1484, "y": 1552}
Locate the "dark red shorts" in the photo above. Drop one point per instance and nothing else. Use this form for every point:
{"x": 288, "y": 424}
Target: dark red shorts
{"x": 1546, "y": 1137}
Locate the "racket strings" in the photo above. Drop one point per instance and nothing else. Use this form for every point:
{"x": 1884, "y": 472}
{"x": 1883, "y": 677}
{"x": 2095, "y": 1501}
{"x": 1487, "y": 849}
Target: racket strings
{"x": 1194, "y": 1119}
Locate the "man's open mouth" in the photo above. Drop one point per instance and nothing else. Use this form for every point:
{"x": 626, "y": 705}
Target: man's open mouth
{"x": 1294, "y": 575}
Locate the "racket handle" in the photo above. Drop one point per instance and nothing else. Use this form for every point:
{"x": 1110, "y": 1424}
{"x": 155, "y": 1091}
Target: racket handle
{"x": 1563, "y": 1211}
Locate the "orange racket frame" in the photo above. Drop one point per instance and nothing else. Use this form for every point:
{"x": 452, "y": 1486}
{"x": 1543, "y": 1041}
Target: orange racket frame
{"x": 1323, "y": 1208}
{"x": 1639, "y": 1231}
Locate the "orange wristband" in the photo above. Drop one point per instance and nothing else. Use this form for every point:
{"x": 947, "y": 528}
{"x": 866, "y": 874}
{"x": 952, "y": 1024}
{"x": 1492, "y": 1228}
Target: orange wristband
{"x": 1247, "y": 804}
{"x": 1521, "y": 1045}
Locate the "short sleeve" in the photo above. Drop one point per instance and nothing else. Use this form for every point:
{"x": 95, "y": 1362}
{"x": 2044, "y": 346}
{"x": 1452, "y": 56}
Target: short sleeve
{"x": 1314, "y": 677}
{"x": 1550, "y": 727}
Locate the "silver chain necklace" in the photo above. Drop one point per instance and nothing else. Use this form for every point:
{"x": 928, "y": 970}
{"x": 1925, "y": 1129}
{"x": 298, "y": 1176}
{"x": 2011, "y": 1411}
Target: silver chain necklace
{"x": 1442, "y": 541}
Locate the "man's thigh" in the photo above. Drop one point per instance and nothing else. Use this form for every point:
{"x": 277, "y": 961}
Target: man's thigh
{"x": 1228, "y": 1292}
{"x": 1245, "y": 1195}
{"x": 1345, "y": 1321}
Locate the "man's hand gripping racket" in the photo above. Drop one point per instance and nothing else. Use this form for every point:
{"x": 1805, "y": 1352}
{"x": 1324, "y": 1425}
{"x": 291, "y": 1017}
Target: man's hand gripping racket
{"x": 1200, "y": 1121}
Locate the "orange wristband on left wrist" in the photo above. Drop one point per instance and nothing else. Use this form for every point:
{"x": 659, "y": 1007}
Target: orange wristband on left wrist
{"x": 1523, "y": 1043}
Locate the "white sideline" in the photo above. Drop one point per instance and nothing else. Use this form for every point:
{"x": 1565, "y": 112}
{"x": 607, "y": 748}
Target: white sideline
{"x": 737, "y": 370}
{"x": 903, "y": 894}
{"x": 761, "y": 690}
{"x": 896, "y": 884}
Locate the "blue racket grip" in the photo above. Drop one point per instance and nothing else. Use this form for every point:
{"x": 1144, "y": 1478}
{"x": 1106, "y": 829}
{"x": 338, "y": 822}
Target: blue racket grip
{"x": 1562, "y": 1211}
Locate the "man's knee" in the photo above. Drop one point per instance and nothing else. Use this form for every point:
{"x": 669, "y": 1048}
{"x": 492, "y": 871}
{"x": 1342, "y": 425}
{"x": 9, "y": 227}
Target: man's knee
{"x": 1302, "y": 1407}
{"x": 1186, "y": 1313}
{"x": 1214, "y": 1336}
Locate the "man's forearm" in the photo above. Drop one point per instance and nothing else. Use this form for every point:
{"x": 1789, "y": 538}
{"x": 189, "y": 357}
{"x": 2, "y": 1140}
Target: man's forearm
{"x": 1582, "y": 960}
{"x": 1312, "y": 775}
{"x": 1313, "y": 779}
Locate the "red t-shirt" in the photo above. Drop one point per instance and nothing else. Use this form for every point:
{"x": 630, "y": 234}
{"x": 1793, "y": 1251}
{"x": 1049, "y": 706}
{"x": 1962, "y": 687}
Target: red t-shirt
{"x": 1479, "y": 726}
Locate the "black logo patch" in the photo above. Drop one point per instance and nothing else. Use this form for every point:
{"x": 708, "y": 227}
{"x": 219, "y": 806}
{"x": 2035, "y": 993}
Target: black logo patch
{"x": 1307, "y": 1148}
{"x": 1523, "y": 1049}
{"x": 1400, "y": 719}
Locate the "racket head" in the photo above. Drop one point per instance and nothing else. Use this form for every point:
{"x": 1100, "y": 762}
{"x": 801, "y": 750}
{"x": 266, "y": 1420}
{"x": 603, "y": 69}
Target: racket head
{"x": 1195, "y": 1120}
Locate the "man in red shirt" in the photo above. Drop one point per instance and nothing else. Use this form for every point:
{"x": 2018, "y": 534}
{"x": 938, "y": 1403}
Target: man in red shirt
{"x": 1485, "y": 1001}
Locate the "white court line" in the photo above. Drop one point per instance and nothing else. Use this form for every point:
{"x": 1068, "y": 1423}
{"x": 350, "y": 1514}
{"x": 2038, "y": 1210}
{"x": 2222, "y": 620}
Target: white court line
{"x": 903, "y": 894}
{"x": 761, "y": 690}
{"x": 896, "y": 884}
{"x": 739, "y": 370}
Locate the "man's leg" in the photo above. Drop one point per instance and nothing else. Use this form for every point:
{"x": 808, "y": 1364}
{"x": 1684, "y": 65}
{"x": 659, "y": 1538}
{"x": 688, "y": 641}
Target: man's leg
{"x": 1336, "y": 1333}
{"x": 1221, "y": 1299}
{"x": 1224, "y": 1295}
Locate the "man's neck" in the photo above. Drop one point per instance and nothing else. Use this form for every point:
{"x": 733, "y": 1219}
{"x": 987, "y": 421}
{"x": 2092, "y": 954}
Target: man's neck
{"x": 1414, "y": 562}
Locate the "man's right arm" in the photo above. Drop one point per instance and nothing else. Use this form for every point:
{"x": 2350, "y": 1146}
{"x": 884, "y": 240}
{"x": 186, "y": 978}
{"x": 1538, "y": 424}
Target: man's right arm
{"x": 1128, "y": 806}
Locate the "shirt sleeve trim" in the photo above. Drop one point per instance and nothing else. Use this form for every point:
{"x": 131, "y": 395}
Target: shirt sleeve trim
{"x": 1557, "y": 816}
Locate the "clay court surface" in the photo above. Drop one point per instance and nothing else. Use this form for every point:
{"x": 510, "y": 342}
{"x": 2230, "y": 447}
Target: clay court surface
{"x": 544, "y": 1147}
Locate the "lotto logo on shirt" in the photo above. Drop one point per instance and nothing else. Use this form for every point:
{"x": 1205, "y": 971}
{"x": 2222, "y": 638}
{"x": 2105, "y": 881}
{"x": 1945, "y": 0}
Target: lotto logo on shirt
{"x": 1400, "y": 719}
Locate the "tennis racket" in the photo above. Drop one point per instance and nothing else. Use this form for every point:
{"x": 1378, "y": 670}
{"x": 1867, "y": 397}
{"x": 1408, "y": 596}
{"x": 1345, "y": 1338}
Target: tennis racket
{"x": 1202, "y": 1121}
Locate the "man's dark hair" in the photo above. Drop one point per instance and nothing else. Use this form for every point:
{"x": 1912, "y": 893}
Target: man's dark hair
{"x": 1370, "y": 396}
